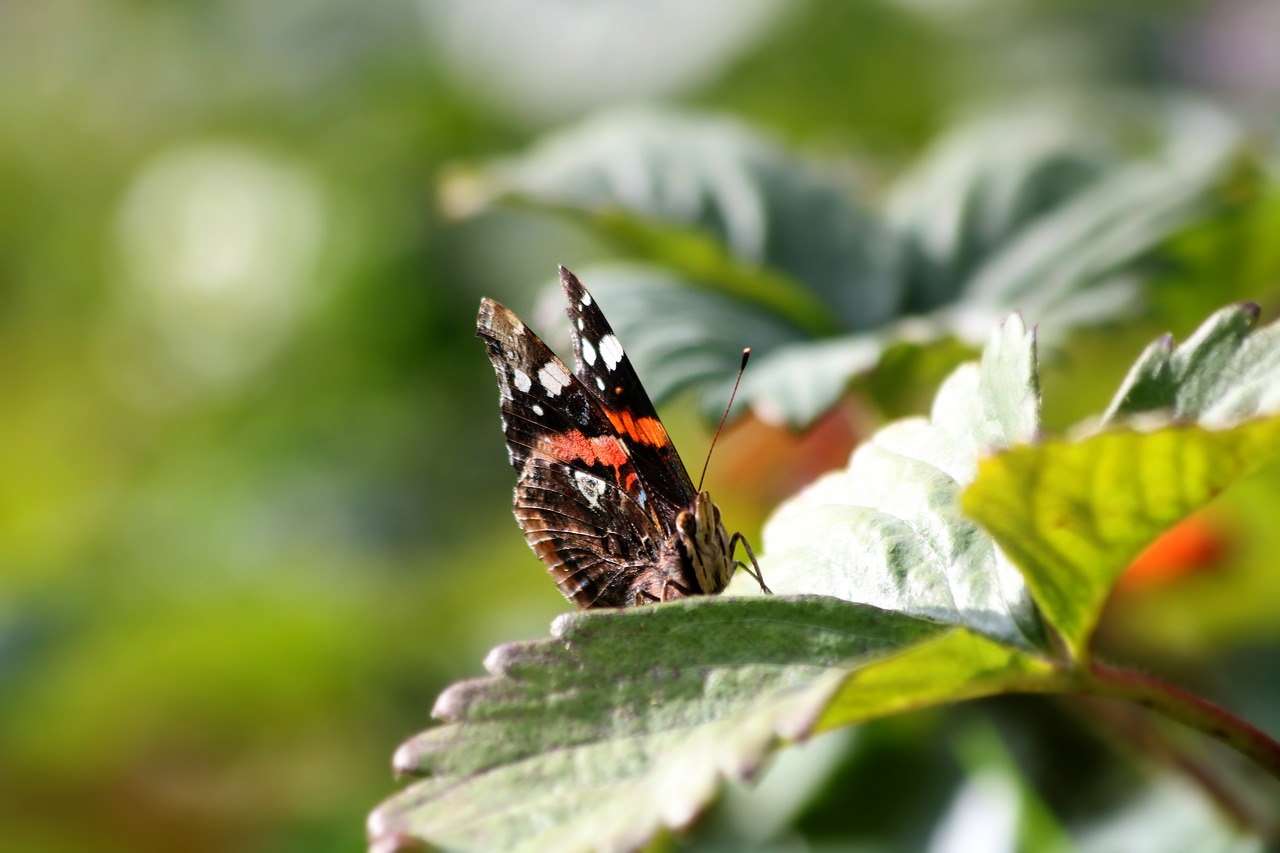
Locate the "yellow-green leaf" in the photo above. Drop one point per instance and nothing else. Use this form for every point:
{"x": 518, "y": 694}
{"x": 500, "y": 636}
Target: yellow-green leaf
{"x": 1073, "y": 514}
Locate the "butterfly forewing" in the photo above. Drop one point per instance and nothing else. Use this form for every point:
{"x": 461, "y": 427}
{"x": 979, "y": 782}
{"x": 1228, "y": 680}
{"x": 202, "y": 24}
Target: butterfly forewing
{"x": 543, "y": 404}
{"x": 606, "y": 372}
{"x": 578, "y": 496}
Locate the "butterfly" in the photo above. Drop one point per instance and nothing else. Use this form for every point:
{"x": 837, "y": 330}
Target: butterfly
{"x": 602, "y": 496}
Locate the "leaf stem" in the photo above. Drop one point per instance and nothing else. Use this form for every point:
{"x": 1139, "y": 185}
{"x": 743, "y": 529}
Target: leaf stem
{"x": 1186, "y": 708}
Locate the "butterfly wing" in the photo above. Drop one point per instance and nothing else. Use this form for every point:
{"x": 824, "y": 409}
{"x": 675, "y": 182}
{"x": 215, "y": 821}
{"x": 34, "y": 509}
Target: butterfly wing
{"x": 579, "y": 498}
{"x": 606, "y": 373}
{"x": 595, "y": 540}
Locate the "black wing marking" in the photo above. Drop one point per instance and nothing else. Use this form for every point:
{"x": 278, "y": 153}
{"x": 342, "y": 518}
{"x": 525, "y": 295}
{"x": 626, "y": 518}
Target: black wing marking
{"x": 528, "y": 372}
{"x": 547, "y": 410}
{"x": 607, "y": 374}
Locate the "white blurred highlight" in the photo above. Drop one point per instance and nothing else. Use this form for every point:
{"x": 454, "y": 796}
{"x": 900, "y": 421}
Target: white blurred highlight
{"x": 983, "y": 816}
{"x": 553, "y": 59}
{"x": 218, "y": 243}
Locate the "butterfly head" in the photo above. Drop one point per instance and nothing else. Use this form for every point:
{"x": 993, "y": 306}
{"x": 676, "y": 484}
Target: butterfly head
{"x": 705, "y": 542}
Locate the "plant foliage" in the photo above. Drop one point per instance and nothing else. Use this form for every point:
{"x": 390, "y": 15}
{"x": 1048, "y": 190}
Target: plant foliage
{"x": 957, "y": 556}
{"x": 1016, "y": 212}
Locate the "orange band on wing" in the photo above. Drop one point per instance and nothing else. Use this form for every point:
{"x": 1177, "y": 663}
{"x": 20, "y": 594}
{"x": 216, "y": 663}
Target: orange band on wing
{"x": 604, "y": 450}
{"x": 642, "y": 430}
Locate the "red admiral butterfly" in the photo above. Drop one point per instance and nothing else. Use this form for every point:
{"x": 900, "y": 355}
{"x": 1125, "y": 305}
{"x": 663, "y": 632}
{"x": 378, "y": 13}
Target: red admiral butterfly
{"x": 602, "y": 498}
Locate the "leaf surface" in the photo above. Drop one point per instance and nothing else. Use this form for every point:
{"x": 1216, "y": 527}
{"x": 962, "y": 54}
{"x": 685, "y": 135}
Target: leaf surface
{"x": 888, "y": 529}
{"x": 1186, "y": 423}
{"x": 1009, "y": 213}
{"x": 627, "y": 721}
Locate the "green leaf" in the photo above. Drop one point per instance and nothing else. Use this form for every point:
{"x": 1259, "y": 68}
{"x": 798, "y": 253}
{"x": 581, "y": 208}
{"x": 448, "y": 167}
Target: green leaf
{"x": 626, "y": 721}
{"x": 1010, "y": 212}
{"x": 1079, "y": 262}
{"x": 954, "y": 666}
{"x": 1226, "y": 372}
{"x": 888, "y": 529}
{"x": 678, "y": 186}
{"x": 979, "y": 186}
{"x": 1073, "y": 513}
{"x": 1031, "y": 211}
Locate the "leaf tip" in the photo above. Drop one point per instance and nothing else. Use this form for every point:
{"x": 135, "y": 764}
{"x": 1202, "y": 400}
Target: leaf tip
{"x": 505, "y": 660}
{"x": 407, "y": 760}
{"x": 563, "y": 624}
{"x": 453, "y": 702}
{"x": 1015, "y": 324}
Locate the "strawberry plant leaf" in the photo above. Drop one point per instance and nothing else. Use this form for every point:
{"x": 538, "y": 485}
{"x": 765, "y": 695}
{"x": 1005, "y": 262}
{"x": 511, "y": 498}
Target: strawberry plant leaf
{"x": 1224, "y": 373}
{"x": 951, "y": 667}
{"x": 659, "y": 706}
{"x": 888, "y": 529}
{"x": 720, "y": 203}
{"x": 977, "y": 188}
{"x": 1072, "y": 513}
{"x": 1064, "y": 228}
{"x": 627, "y": 721}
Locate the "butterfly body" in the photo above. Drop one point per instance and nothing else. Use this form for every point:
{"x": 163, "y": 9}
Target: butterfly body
{"x": 602, "y": 495}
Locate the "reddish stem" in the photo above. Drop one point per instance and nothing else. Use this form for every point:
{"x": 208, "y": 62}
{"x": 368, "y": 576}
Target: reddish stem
{"x": 1188, "y": 709}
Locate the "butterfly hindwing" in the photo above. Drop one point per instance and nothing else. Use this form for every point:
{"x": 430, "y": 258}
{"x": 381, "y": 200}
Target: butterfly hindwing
{"x": 598, "y": 543}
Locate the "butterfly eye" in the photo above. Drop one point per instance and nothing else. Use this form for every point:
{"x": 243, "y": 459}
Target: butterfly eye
{"x": 686, "y": 524}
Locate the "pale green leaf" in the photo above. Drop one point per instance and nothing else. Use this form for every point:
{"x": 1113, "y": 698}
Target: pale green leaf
{"x": 979, "y": 186}
{"x": 662, "y": 180}
{"x": 888, "y": 530}
{"x": 656, "y": 706}
{"x": 1013, "y": 213}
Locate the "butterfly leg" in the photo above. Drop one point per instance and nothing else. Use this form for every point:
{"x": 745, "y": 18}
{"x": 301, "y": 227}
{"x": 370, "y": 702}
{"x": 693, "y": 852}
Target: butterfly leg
{"x": 738, "y": 537}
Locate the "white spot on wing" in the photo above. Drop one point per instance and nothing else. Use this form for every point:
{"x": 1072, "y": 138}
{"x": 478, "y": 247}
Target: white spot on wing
{"x": 599, "y": 383}
{"x": 611, "y": 350}
{"x": 586, "y": 299}
{"x": 522, "y": 380}
{"x": 537, "y": 410}
{"x": 589, "y": 487}
{"x": 553, "y": 377}
{"x": 580, "y": 324}
{"x": 588, "y": 352}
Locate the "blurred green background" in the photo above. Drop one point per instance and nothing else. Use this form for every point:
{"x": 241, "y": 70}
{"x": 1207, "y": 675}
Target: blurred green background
{"x": 254, "y": 502}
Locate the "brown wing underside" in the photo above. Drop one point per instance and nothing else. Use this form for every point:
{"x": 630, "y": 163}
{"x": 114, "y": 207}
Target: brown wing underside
{"x": 601, "y": 548}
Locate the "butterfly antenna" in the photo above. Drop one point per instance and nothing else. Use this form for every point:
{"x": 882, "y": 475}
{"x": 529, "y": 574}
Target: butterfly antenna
{"x": 746, "y": 354}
